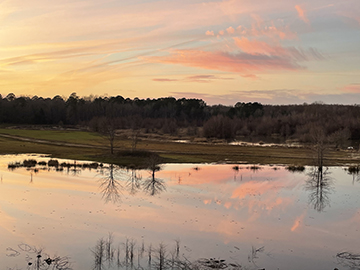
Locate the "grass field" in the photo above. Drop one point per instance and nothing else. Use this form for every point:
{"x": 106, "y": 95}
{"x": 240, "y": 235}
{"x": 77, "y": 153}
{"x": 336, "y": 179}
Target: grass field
{"x": 79, "y": 137}
{"x": 91, "y": 146}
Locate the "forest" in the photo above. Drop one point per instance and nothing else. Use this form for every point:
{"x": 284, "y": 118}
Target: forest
{"x": 167, "y": 115}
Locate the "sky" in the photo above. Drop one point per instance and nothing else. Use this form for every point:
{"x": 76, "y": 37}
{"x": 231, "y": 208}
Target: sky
{"x": 222, "y": 51}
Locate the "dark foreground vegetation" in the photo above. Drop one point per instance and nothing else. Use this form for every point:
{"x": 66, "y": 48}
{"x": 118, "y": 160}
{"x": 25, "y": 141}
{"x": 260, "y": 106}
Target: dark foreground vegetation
{"x": 170, "y": 116}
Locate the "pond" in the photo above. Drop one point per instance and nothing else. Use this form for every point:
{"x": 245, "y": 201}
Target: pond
{"x": 104, "y": 217}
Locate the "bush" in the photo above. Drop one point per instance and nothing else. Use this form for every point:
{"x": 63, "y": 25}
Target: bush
{"x": 220, "y": 127}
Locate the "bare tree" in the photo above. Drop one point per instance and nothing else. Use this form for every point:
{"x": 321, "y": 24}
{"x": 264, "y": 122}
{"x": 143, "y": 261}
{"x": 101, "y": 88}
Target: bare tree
{"x": 134, "y": 139}
{"x": 135, "y": 131}
{"x": 339, "y": 137}
{"x": 108, "y": 128}
{"x": 319, "y": 145}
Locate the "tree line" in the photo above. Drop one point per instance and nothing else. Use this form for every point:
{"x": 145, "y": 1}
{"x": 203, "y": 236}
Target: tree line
{"x": 169, "y": 114}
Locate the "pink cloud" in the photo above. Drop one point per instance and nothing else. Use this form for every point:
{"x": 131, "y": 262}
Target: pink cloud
{"x": 230, "y": 30}
{"x": 205, "y": 78}
{"x": 164, "y": 80}
{"x": 301, "y": 14}
{"x": 195, "y": 78}
{"x": 209, "y": 33}
{"x": 249, "y": 192}
{"x": 298, "y": 221}
{"x": 268, "y": 29}
{"x": 242, "y": 63}
{"x": 255, "y": 187}
{"x": 250, "y": 76}
{"x": 351, "y": 88}
{"x": 255, "y": 47}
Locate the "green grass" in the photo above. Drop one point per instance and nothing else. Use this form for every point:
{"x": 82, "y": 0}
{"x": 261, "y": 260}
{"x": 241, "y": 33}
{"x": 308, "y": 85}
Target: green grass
{"x": 11, "y": 146}
{"x": 168, "y": 151}
{"x": 79, "y": 137}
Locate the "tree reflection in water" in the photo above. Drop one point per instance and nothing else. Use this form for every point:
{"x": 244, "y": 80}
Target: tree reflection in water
{"x": 110, "y": 185}
{"x": 37, "y": 259}
{"x": 133, "y": 183}
{"x": 127, "y": 255}
{"x": 355, "y": 172}
{"x": 320, "y": 185}
{"x": 153, "y": 185}
{"x": 112, "y": 176}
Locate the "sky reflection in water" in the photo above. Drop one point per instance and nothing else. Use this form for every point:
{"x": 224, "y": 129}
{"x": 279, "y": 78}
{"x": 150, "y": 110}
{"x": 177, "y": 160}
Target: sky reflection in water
{"x": 215, "y": 210}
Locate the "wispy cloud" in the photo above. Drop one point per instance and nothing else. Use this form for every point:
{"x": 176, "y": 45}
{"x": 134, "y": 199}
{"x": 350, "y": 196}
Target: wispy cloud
{"x": 91, "y": 46}
{"x": 205, "y": 78}
{"x": 255, "y": 47}
{"x": 301, "y": 14}
{"x": 242, "y": 63}
{"x": 164, "y": 80}
{"x": 298, "y": 221}
{"x": 195, "y": 78}
{"x": 263, "y": 52}
{"x": 260, "y": 28}
{"x": 351, "y": 88}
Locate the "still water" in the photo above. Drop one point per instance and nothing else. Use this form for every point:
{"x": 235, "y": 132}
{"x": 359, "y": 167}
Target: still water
{"x": 252, "y": 217}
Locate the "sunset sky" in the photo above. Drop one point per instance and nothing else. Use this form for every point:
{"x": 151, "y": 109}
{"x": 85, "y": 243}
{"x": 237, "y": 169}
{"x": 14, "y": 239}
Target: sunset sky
{"x": 273, "y": 52}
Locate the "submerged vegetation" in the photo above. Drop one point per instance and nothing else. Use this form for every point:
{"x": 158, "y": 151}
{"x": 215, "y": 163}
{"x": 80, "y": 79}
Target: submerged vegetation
{"x": 109, "y": 255}
{"x": 133, "y": 255}
{"x": 35, "y": 258}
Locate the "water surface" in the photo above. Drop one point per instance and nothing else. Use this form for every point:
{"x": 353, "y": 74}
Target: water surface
{"x": 254, "y": 216}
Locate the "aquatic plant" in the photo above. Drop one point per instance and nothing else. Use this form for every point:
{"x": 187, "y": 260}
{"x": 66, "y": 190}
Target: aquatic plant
{"x": 36, "y": 258}
{"x": 294, "y": 168}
